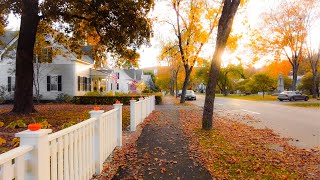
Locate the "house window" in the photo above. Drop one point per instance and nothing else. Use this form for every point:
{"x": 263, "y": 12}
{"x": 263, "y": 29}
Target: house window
{"x": 46, "y": 55}
{"x": 54, "y": 83}
{"x": 118, "y": 75}
{"x": 111, "y": 86}
{"x": 11, "y": 83}
{"x": 117, "y": 86}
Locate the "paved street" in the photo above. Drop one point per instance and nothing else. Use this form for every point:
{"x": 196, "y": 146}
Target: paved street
{"x": 300, "y": 124}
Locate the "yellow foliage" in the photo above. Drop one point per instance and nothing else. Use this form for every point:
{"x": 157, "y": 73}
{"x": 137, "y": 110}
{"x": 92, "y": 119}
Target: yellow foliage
{"x": 15, "y": 142}
{"x": 1, "y": 124}
{"x": 2, "y": 141}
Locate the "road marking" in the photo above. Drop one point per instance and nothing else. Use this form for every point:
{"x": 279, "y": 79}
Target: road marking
{"x": 250, "y": 111}
{"x": 219, "y": 104}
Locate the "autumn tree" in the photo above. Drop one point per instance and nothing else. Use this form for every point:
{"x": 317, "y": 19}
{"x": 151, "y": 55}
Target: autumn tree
{"x": 263, "y": 82}
{"x": 191, "y": 33}
{"x": 128, "y": 59}
{"x": 313, "y": 57}
{"x": 170, "y": 56}
{"x": 285, "y": 29}
{"x": 229, "y": 10}
{"x": 115, "y": 24}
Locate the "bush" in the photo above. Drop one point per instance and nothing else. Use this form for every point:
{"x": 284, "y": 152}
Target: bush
{"x": 109, "y": 100}
{"x": 93, "y": 94}
{"x": 64, "y": 98}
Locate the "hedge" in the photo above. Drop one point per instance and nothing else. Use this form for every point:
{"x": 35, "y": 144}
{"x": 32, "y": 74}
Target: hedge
{"x": 109, "y": 99}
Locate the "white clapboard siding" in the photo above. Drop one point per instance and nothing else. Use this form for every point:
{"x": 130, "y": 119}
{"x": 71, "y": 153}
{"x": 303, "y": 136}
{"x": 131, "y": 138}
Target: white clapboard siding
{"x": 13, "y": 163}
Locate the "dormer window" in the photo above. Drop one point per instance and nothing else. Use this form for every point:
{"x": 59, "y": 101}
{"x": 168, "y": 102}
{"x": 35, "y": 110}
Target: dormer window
{"x": 46, "y": 55}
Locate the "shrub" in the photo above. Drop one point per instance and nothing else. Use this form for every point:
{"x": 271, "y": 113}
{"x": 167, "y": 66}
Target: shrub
{"x": 45, "y": 124}
{"x": 2, "y": 93}
{"x": 17, "y": 124}
{"x": 93, "y": 94}
{"x": 109, "y": 100}
{"x": 68, "y": 124}
{"x": 62, "y": 97}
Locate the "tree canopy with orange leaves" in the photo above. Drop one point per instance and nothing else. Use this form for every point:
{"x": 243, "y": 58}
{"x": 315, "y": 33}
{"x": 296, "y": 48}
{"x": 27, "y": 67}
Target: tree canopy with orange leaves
{"x": 285, "y": 28}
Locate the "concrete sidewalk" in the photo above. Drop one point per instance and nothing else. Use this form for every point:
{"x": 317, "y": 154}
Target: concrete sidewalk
{"x": 162, "y": 150}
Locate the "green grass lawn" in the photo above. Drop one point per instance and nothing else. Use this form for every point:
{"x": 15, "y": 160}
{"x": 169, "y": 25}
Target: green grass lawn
{"x": 250, "y": 97}
{"x": 308, "y": 105}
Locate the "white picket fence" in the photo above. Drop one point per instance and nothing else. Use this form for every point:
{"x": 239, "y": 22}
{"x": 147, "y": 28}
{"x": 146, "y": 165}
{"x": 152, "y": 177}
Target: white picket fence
{"x": 139, "y": 110}
{"x": 77, "y": 152}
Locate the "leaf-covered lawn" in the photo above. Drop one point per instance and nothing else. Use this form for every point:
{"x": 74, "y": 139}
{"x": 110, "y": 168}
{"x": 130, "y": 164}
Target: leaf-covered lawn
{"x": 309, "y": 105}
{"x": 59, "y": 116}
{"x": 250, "y": 97}
{"x": 238, "y": 151}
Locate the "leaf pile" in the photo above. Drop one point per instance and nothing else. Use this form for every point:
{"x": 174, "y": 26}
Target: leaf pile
{"x": 54, "y": 116}
{"x": 233, "y": 150}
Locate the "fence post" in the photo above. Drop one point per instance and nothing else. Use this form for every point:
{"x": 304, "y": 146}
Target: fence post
{"x": 98, "y": 160}
{"x": 142, "y": 107}
{"x": 154, "y": 102}
{"x": 39, "y": 157}
{"x": 133, "y": 115}
{"x": 119, "y": 123}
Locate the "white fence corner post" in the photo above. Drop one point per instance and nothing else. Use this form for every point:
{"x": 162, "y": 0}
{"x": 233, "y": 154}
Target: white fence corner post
{"x": 39, "y": 157}
{"x": 119, "y": 123}
{"x": 133, "y": 115}
{"x": 98, "y": 160}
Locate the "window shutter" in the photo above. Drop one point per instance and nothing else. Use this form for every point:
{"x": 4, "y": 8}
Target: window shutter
{"x": 78, "y": 83}
{"x": 89, "y": 84}
{"x": 9, "y": 83}
{"x": 111, "y": 86}
{"x": 48, "y": 83}
{"x": 85, "y": 84}
{"x": 59, "y": 83}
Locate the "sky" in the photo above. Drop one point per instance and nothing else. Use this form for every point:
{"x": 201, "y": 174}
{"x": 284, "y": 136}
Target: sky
{"x": 163, "y": 32}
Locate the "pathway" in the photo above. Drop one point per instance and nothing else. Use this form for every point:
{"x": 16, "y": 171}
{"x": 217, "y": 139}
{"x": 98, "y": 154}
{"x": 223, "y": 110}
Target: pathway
{"x": 163, "y": 150}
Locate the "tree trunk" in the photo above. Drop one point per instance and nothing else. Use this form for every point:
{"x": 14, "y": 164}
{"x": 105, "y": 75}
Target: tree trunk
{"x": 229, "y": 10}
{"x": 24, "y": 62}
{"x": 185, "y": 83}
{"x": 315, "y": 86}
{"x": 176, "y": 81}
{"x": 295, "y": 67}
{"x": 172, "y": 86}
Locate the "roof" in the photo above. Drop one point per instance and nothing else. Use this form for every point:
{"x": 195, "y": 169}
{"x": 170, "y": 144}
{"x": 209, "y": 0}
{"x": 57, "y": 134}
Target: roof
{"x": 7, "y": 38}
{"x": 103, "y": 73}
{"x": 134, "y": 73}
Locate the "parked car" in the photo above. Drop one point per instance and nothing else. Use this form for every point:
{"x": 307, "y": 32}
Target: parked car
{"x": 292, "y": 96}
{"x": 190, "y": 95}
{"x": 179, "y": 93}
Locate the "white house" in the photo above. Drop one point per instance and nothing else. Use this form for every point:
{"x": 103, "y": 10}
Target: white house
{"x": 64, "y": 72}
